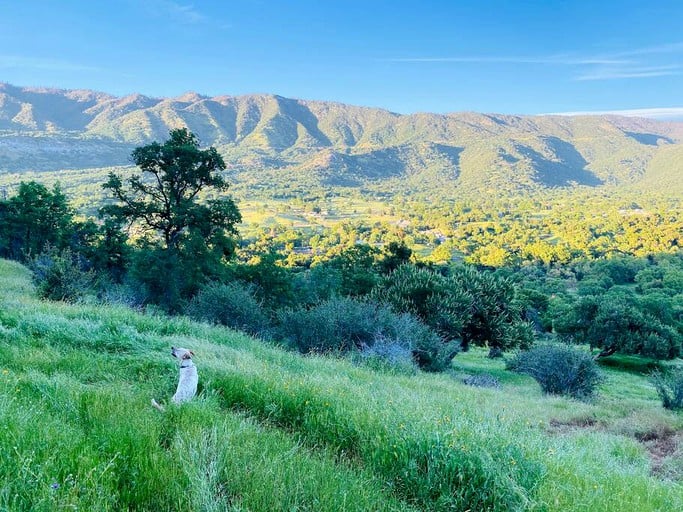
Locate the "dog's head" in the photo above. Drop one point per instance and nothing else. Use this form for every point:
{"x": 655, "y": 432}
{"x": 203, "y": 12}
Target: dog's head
{"x": 181, "y": 353}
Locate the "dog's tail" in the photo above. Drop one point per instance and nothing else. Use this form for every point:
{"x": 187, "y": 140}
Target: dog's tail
{"x": 157, "y": 405}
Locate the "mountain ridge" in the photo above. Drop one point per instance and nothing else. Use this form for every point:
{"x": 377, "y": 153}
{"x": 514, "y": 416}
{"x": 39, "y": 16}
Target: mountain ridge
{"x": 52, "y": 129}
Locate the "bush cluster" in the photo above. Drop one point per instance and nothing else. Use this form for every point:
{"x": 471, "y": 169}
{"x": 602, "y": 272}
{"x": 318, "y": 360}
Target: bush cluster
{"x": 61, "y": 275}
{"x": 559, "y": 369}
{"x": 233, "y": 305}
{"x": 388, "y": 356}
{"x": 669, "y": 387}
{"x": 344, "y": 324}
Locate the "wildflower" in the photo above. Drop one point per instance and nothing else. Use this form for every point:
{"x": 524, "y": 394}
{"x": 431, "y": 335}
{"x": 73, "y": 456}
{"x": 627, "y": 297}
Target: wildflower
{"x": 54, "y": 486}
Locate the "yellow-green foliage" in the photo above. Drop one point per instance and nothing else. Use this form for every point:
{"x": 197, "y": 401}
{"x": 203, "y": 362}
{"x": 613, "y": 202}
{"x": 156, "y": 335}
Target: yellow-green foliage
{"x": 272, "y": 430}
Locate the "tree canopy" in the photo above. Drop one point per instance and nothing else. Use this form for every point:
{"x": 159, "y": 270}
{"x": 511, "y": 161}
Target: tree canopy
{"x": 165, "y": 202}
{"x": 33, "y": 218}
{"x": 177, "y": 209}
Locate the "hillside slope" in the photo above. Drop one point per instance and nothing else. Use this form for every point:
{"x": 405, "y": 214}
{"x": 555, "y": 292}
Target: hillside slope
{"x": 272, "y": 430}
{"x": 344, "y": 145}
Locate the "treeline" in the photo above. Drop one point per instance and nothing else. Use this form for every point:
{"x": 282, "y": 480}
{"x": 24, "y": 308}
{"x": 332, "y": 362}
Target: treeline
{"x": 623, "y": 304}
{"x": 167, "y": 239}
{"x": 556, "y": 226}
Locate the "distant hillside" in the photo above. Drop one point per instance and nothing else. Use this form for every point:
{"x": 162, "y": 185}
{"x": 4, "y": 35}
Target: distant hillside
{"x": 341, "y": 145}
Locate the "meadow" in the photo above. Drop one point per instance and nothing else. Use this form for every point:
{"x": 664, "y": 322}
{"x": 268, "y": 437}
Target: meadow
{"x": 274, "y": 430}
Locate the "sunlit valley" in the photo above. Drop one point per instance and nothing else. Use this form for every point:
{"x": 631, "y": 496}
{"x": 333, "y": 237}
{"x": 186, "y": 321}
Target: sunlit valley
{"x": 395, "y": 298}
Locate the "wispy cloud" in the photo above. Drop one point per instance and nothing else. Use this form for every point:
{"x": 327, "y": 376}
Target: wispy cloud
{"x": 181, "y": 14}
{"x": 44, "y": 64}
{"x": 649, "y": 50}
{"x": 613, "y": 73}
{"x": 553, "y": 59}
{"x": 186, "y": 14}
{"x": 608, "y": 66}
{"x": 652, "y": 113}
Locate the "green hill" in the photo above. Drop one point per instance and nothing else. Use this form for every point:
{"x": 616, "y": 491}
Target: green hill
{"x": 332, "y": 144}
{"x": 272, "y": 430}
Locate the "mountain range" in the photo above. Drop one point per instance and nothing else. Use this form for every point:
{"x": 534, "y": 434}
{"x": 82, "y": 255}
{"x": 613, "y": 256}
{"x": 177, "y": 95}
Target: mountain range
{"x": 43, "y": 129}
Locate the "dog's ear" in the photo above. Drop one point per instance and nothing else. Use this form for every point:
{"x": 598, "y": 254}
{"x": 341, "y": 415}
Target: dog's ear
{"x": 192, "y": 353}
{"x": 188, "y": 355}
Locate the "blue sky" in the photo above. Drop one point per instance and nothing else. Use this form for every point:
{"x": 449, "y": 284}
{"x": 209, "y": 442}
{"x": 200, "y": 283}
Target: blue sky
{"x": 522, "y": 57}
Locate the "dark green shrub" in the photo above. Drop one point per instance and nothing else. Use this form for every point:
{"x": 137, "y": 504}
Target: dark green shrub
{"x": 335, "y": 325}
{"x": 427, "y": 295}
{"x": 430, "y": 351}
{"x": 669, "y": 387}
{"x": 272, "y": 282}
{"x": 61, "y": 275}
{"x": 357, "y": 269}
{"x": 467, "y": 305}
{"x": 345, "y": 324}
{"x": 559, "y": 369}
{"x": 233, "y": 305}
{"x": 315, "y": 285}
{"x": 497, "y": 315}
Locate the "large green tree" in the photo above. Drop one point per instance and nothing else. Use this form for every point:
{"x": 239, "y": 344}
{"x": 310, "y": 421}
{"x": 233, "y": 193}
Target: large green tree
{"x": 474, "y": 307}
{"x": 620, "y": 321}
{"x": 34, "y": 218}
{"x": 178, "y": 214}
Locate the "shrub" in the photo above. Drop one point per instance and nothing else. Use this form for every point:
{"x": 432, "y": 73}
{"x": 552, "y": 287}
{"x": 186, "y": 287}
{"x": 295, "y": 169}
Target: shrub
{"x": 482, "y": 380}
{"x": 430, "y": 351}
{"x": 427, "y": 295}
{"x": 233, "y": 305}
{"x": 669, "y": 387}
{"x": 61, "y": 275}
{"x": 345, "y": 324}
{"x": 123, "y": 294}
{"x": 388, "y": 355}
{"x": 559, "y": 369}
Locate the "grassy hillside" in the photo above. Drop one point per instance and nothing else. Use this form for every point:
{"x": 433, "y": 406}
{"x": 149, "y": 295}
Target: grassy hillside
{"x": 272, "y": 430}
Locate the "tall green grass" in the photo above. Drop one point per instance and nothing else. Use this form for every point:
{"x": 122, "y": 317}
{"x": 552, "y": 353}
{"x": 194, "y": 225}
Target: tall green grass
{"x": 272, "y": 430}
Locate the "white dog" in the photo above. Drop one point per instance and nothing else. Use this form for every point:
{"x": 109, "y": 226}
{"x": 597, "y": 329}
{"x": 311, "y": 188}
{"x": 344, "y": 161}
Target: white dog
{"x": 187, "y": 382}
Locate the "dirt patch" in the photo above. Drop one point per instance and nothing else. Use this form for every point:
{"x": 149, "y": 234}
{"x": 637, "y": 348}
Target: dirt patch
{"x": 660, "y": 444}
{"x": 571, "y": 425}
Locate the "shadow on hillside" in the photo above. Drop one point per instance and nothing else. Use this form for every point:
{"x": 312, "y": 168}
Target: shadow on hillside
{"x": 303, "y": 115}
{"x": 393, "y": 162}
{"x": 649, "y": 139}
{"x": 451, "y": 152}
{"x": 56, "y": 109}
{"x": 451, "y": 155}
{"x": 568, "y": 170}
{"x": 352, "y": 170}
